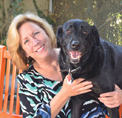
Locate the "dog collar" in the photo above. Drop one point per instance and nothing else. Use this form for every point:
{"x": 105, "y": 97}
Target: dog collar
{"x": 70, "y": 71}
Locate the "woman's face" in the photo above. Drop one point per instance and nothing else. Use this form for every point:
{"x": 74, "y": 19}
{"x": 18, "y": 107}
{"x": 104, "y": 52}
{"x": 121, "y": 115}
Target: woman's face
{"x": 34, "y": 41}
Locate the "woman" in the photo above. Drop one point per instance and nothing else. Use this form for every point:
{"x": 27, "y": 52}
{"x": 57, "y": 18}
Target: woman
{"x": 32, "y": 46}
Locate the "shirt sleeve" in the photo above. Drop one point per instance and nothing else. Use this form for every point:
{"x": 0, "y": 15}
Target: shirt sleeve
{"x": 31, "y": 99}
{"x": 93, "y": 109}
{"x": 104, "y": 109}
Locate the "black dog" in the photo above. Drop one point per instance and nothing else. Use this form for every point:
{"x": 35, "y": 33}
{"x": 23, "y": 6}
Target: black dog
{"x": 94, "y": 59}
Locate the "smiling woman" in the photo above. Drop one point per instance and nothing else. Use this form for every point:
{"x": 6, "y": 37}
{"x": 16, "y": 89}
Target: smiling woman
{"x": 13, "y": 44}
{"x": 34, "y": 41}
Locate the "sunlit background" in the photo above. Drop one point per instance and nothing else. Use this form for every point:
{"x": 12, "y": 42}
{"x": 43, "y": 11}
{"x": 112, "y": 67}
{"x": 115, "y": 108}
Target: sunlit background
{"x": 106, "y": 15}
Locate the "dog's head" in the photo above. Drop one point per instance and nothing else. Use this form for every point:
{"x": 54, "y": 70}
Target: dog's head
{"x": 76, "y": 39}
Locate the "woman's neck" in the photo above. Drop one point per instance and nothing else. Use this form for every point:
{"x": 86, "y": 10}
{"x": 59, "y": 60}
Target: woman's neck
{"x": 51, "y": 60}
{"x": 49, "y": 69}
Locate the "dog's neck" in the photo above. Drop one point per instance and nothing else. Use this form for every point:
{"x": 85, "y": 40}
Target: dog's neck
{"x": 69, "y": 70}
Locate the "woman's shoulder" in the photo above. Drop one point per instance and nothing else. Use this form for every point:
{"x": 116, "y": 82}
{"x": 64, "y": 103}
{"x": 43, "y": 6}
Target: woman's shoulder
{"x": 29, "y": 71}
{"x": 29, "y": 76}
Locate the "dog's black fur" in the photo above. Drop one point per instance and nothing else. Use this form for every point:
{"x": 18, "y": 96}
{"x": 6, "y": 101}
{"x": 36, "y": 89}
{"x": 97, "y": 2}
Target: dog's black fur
{"x": 100, "y": 61}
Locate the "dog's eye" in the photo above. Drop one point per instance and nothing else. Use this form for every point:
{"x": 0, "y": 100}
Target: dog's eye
{"x": 68, "y": 31}
{"x": 85, "y": 32}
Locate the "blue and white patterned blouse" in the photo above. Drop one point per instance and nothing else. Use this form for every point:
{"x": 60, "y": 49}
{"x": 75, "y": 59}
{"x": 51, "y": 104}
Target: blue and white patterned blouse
{"x": 36, "y": 92}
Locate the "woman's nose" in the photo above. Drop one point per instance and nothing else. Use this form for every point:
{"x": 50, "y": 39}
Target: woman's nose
{"x": 35, "y": 41}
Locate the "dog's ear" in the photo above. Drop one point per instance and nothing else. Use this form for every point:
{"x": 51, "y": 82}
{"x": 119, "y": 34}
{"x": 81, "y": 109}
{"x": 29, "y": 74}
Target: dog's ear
{"x": 95, "y": 34}
{"x": 58, "y": 35}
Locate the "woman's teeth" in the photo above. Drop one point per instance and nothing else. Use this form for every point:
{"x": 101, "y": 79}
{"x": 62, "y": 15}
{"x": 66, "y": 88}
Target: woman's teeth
{"x": 39, "y": 49}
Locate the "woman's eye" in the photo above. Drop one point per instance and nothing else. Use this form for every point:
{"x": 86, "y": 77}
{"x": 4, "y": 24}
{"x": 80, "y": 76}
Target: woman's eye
{"x": 26, "y": 41}
{"x": 36, "y": 33}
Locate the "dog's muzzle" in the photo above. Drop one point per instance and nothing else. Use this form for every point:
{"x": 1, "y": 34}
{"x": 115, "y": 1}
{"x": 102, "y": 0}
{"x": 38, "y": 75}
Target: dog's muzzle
{"x": 74, "y": 56}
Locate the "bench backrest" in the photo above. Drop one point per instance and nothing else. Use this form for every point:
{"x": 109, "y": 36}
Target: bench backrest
{"x": 9, "y": 99}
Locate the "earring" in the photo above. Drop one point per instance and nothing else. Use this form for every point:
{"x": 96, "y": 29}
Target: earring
{"x": 27, "y": 60}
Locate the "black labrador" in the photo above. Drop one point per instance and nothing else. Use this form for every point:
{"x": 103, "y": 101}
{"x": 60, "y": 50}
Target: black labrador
{"x": 88, "y": 56}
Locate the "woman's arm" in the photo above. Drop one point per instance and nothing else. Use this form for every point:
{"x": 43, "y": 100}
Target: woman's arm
{"x": 75, "y": 88}
{"x": 112, "y": 99}
{"x": 31, "y": 101}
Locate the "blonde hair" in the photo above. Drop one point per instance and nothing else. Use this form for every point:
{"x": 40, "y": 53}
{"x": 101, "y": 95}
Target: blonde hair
{"x": 13, "y": 40}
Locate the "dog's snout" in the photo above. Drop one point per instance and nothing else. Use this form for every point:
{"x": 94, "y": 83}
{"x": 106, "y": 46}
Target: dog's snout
{"x": 75, "y": 44}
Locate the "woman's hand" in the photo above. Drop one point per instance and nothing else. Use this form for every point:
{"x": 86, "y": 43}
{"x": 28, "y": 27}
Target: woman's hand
{"x": 78, "y": 86}
{"x": 112, "y": 99}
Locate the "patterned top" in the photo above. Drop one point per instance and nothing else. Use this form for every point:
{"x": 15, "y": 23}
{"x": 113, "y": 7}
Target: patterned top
{"x": 36, "y": 92}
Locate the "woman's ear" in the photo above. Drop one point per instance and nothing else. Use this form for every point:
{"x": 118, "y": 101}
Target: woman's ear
{"x": 59, "y": 35}
{"x": 95, "y": 34}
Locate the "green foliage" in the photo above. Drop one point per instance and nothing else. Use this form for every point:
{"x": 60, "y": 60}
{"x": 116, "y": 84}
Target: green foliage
{"x": 16, "y": 7}
{"x": 42, "y": 15}
{"x": 106, "y": 15}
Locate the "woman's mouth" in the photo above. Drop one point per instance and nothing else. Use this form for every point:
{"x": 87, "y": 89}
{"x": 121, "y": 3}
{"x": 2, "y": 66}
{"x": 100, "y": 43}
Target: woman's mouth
{"x": 40, "y": 49}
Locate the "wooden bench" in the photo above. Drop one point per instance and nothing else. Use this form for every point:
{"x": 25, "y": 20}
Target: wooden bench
{"x": 11, "y": 108}
{"x": 9, "y": 104}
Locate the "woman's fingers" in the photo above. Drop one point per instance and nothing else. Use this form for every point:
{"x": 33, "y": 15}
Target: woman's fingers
{"x": 109, "y": 102}
{"x": 83, "y": 85}
{"x": 112, "y": 99}
{"x": 79, "y": 87}
{"x": 82, "y": 90}
{"x": 77, "y": 81}
{"x": 87, "y": 87}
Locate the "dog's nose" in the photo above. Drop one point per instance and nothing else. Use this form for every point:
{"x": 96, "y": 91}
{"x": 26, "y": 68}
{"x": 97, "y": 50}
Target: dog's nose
{"x": 75, "y": 44}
